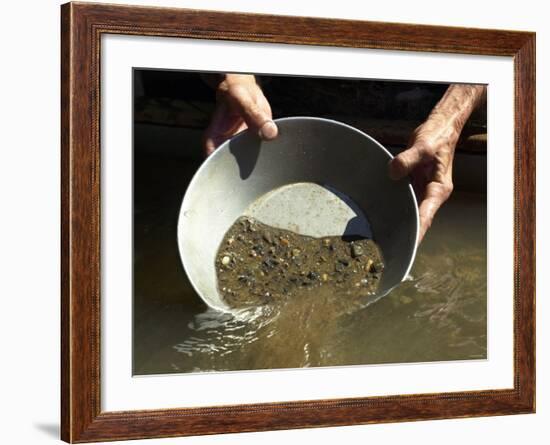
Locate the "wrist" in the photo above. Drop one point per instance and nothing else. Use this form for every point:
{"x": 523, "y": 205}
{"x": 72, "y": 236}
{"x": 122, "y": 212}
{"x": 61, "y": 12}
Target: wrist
{"x": 456, "y": 106}
{"x": 227, "y": 80}
{"x": 221, "y": 80}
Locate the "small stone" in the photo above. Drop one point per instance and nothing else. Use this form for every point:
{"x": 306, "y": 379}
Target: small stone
{"x": 267, "y": 237}
{"x": 270, "y": 263}
{"x": 230, "y": 241}
{"x": 364, "y": 282}
{"x": 356, "y": 250}
{"x": 326, "y": 242}
{"x": 313, "y": 275}
{"x": 226, "y": 260}
{"x": 369, "y": 264}
{"x": 285, "y": 242}
{"x": 324, "y": 277}
{"x": 295, "y": 252}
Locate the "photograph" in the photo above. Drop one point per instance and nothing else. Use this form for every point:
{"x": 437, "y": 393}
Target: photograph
{"x": 284, "y": 221}
{"x": 275, "y": 221}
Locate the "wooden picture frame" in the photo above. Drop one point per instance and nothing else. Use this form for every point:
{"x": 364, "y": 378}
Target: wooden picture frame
{"x": 83, "y": 24}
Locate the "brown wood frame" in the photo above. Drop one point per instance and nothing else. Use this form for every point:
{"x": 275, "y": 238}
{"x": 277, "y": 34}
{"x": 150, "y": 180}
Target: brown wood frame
{"x": 82, "y": 26}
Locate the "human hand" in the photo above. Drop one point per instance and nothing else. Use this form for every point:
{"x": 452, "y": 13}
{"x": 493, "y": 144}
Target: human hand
{"x": 428, "y": 160}
{"x": 241, "y": 104}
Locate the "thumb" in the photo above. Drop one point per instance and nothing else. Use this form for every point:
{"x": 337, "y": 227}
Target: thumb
{"x": 257, "y": 118}
{"x": 404, "y": 163}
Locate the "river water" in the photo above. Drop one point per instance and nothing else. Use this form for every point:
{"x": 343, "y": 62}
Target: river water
{"x": 439, "y": 313}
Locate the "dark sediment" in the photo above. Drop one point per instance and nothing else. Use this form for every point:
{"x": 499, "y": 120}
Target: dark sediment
{"x": 258, "y": 264}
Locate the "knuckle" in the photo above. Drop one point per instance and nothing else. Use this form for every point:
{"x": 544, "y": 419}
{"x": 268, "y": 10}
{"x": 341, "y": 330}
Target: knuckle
{"x": 237, "y": 90}
{"x": 427, "y": 148}
{"x": 447, "y": 189}
{"x": 223, "y": 90}
{"x": 254, "y": 110}
{"x": 231, "y": 92}
{"x": 403, "y": 160}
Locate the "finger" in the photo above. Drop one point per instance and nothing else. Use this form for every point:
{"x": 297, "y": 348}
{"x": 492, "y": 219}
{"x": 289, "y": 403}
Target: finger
{"x": 269, "y": 130}
{"x": 223, "y": 126}
{"x": 405, "y": 162}
{"x": 209, "y": 146}
{"x": 435, "y": 195}
{"x": 256, "y": 112}
{"x": 214, "y": 138}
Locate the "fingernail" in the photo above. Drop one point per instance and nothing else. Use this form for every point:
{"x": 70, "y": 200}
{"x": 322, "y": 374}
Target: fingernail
{"x": 269, "y": 130}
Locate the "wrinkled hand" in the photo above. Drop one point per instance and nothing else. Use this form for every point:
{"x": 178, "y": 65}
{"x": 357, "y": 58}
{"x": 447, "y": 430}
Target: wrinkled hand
{"x": 241, "y": 104}
{"x": 429, "y": 162}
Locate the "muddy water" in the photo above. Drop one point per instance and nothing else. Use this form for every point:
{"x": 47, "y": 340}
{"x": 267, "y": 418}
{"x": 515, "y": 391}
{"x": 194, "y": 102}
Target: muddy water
{"x": 438, "y": 314}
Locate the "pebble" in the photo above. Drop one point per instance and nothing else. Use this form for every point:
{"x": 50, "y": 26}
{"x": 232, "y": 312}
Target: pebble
{"x": 356, "y": 250}
{"x": 369, "y": 265}
{"x": 226, "y": 260}
{"x": 267, "y": 236}
{"x": 313, "y": 275}
{"x": 324, "y": 277}
{"x": 295, "y": 252}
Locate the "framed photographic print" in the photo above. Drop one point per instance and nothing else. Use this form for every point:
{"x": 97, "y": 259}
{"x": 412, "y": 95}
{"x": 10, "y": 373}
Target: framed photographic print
{"x": 274, "y": 222}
